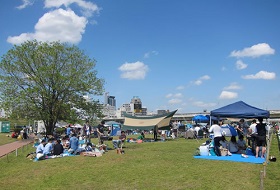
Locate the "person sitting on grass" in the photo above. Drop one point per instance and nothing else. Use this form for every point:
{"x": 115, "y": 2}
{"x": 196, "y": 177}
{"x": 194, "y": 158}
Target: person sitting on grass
{"x": 40, "y": 149}
{"x": 117, "y": 143}
{"x": 58, "y": 148}
{"x": 14, "y": 134}
{"x": 74, "y": 144}
{"x": 65, "y": 142}
{"x": 48, "y": 148}
{"x": 241, "y": 144}
{"x": 224, "y": 142}
{"x": 88, "y": 147}
{"x": 233, "y": 146}
{"x": 141, "y": 136}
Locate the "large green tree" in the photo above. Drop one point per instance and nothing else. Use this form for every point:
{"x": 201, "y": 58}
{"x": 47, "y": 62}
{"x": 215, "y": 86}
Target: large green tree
{"x": 48, "y": 81}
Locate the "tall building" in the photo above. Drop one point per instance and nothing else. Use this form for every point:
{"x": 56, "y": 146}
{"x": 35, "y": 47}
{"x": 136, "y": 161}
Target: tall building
{"x": 110, "y": 100}
{"x": 136, "y": 105}
{"x": 109, "y": 107}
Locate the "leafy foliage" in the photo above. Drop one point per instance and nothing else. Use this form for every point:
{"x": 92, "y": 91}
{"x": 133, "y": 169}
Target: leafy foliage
{"x": 48, "y": 81}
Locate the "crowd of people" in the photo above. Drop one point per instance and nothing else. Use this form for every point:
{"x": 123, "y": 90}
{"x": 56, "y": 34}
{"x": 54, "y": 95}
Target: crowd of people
{"x": 249, "y": 136}
{"x": 74, "y": 142}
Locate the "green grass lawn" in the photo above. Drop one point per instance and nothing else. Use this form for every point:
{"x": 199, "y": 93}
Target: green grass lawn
{"x": 155, "y": 165}
{"x": 4, "y": 139}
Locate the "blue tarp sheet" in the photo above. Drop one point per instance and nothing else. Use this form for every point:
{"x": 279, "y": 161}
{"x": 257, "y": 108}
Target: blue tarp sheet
{"x": 234, "y": 158}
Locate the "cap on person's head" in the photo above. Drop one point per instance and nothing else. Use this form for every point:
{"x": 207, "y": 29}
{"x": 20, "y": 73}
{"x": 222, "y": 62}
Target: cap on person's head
{"x": 260, "y": 119}
{"x": 103, "y": 122}
{"x": 254, "y": 121}
{"x": 241, "y": 120}
{"x": 43, "y": 141}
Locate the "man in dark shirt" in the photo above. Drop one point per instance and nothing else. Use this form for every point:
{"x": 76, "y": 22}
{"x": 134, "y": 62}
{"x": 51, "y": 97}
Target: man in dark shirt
{"x": 261, "y": 137}
{"x": 118, "y": 143}
{"x": 58, "y": 148}
{"x": 100, "y": 131}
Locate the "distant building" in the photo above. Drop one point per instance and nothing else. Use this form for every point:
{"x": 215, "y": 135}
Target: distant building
{"x": 137, "y": 105}
{"x": 160, "y": 112}
{"x": 110, "y": 100}
{"x": 133, "y": 108}
{"x": 109, "y": 106}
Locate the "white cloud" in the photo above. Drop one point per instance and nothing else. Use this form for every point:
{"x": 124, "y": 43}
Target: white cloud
{"x": 148, "y": 54}
{"x": 240, "y": 65}
{"x": 253, "y": 51}
{"x": 228, "y": 95}
{"x": 175, "y": 101}
{"x": 178, "y": 95}
{"x": 169, "y": 95}
{"x": 203, "y": 104}
{"x": 201, "y": 79}
{"x": 261, "y": 75}
{"x": 134, "y": 71}
{"x": 58, "y": 25}
{"x": 233, "y": 86}
{"x": 88, "y": 8}
{"x": 25, "y": 3}
{"x": 180, "y": 88}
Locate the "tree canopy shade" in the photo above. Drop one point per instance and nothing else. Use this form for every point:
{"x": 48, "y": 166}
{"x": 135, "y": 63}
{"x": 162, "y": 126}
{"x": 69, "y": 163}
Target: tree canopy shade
{"x": 45, "y": 81}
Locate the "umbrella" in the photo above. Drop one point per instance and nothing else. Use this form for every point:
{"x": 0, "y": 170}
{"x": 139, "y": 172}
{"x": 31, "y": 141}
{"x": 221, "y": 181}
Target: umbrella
{"x": 200, "y": 119}
{"x": 228, "y": 130}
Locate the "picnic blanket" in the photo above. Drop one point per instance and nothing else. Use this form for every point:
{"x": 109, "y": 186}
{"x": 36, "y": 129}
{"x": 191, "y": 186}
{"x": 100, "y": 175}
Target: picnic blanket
{"x": 234, "y": 158}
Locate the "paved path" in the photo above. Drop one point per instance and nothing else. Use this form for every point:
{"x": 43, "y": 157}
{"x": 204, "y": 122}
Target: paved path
{"x": 7, "y": 148}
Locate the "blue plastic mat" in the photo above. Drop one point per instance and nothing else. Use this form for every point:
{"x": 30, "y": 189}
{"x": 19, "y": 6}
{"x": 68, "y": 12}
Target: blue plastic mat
{"x": 234, "y": 158}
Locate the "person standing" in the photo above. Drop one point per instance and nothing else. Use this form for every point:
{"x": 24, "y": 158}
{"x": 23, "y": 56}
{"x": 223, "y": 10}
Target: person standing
{"x": 252, "y": 136}
{"x": 68, "y": 130}
{"x": 155, "y": 132}
{"x": 242, "y": 128}
{"x": 24, "y": 135}
{"x": 100, "y": 132}
{"x": 216, "y": 129}
{"x": 261, "y": 137}
{"x": 87, "y": 131}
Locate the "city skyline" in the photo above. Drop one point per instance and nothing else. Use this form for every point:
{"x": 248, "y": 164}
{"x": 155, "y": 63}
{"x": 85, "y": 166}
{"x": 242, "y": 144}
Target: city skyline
{"x": 188, "y": 56}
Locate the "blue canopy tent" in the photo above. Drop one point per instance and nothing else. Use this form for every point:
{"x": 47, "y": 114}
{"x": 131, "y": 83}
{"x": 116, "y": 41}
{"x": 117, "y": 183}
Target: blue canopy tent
{"x": 239, "y": 110}
{"x": 200, "y": 119}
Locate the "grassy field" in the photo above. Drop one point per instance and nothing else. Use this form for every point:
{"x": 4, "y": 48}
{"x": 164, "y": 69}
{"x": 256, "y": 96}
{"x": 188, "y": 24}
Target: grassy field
{"x": 155, "y": 165}
{"x": 4, "y": 139}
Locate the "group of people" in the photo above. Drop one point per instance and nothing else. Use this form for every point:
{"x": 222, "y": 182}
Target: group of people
{"x": 253, "y": 136}
{"x": 72, "y": 142}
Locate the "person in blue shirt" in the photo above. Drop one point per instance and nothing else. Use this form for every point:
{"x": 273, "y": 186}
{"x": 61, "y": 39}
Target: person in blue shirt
{"x": 74, "y": 144}
{"x": 68, "y": 130}
{"x": 40, "y": 149}
{"x": 48, "y": 148}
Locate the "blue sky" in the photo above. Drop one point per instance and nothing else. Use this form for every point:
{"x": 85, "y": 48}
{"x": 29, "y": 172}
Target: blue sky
{"x": 190, "y": 55}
